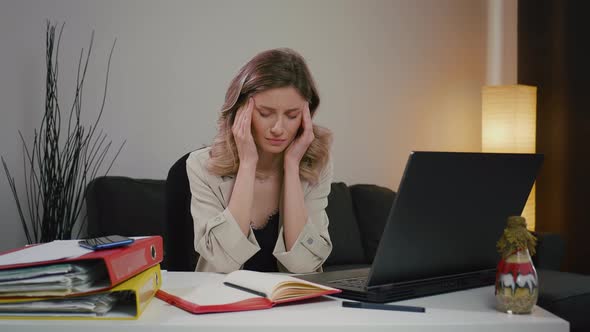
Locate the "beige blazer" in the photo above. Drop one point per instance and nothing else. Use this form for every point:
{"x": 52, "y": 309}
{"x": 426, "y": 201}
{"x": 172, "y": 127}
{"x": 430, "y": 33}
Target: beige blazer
{"x": 221, "y": 244}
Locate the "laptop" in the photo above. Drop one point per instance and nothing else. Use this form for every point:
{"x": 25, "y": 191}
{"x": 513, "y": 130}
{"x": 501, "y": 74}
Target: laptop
{"x": 441, "y": 233}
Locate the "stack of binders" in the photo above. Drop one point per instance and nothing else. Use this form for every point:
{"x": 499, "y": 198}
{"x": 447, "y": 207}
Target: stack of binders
{"x": 61, "y": 280}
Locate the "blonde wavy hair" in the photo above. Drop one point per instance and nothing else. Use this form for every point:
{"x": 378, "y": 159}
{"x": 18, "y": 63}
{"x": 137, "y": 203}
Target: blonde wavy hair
{"x": 270, "y": 69}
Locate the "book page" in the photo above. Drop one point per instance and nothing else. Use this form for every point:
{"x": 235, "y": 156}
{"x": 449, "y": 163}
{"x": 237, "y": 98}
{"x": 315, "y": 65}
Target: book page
{"x": 275, "y": 286}
{"x": 215, "y": 293}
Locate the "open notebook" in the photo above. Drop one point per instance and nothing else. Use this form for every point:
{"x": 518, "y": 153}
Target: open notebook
{"x": 243, "y": 290}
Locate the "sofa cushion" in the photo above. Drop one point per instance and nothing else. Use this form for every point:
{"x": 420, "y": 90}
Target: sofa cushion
{"x": 372, "y": 204}
{"x": 566, "y": 295}
{"x": 343, "y": 228}
{"x": 550, "y": 251}
{"x": 125, "y": 206}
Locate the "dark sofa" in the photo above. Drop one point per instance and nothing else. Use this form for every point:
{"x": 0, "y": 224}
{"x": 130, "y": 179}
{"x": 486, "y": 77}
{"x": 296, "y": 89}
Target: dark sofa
{"x": 126, "y": 206}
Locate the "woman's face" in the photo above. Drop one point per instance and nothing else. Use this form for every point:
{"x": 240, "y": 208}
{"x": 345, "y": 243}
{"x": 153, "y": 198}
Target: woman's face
{"x": 276, "y": 118}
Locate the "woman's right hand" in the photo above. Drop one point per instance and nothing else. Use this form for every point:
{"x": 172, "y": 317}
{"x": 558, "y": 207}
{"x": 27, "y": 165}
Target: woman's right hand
{"x": 242, "y": 131}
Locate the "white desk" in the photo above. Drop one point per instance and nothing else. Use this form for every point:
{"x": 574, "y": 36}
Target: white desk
{"x": 470, "y": 310}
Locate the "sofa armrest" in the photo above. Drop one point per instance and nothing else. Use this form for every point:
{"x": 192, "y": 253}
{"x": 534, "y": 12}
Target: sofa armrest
{"x": 550, "y": 251}
{"x": 566, "y": 295}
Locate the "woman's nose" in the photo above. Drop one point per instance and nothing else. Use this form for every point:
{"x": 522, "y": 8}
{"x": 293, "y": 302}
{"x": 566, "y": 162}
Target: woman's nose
{"x": 277, "y": 129}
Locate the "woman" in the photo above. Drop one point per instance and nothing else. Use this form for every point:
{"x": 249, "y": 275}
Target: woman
{"x": 260, "y": 191}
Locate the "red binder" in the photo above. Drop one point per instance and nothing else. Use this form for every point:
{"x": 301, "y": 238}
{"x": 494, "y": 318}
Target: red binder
{"x": 120, "y": 263}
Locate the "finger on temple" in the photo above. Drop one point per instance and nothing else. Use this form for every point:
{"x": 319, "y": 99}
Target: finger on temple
{"x": 250, "y": 106}
{"x": 245, "y": 124}
{"x": 249, "y": 113}
{"x": 237, "y": 118}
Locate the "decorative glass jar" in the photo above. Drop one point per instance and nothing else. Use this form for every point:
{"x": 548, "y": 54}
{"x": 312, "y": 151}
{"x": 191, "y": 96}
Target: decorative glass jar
{"x": 517, "y": 285}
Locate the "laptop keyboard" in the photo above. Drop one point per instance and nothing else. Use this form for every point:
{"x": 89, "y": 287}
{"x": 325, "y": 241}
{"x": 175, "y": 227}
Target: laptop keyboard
{"x": 357, "y": 282}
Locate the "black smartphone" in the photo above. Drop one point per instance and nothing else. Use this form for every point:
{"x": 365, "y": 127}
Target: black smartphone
{"x": 106, "y": 242}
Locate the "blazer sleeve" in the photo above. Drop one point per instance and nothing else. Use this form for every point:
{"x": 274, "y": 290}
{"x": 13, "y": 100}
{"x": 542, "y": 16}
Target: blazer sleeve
{"x": 313, "y": 245}
{"x": 218, "y": 238}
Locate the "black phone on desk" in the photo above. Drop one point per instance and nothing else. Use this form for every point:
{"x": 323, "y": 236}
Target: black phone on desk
{"x": 106, "y": 242}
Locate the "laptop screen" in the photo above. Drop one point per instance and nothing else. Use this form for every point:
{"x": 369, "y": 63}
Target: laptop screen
{"x": 449, "y": 211}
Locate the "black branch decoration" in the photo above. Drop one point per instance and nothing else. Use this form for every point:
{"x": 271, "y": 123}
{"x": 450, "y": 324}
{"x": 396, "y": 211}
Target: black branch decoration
{"x": 64, "y": 156}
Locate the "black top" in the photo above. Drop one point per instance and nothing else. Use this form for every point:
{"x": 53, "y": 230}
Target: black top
{"x": 264, "y": 260}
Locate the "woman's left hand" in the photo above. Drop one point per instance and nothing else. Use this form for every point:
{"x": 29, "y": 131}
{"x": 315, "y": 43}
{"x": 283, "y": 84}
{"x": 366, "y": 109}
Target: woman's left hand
{"x": 296, "y": 150}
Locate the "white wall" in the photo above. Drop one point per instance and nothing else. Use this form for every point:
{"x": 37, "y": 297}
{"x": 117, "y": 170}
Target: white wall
{"x": 394, "y": 76}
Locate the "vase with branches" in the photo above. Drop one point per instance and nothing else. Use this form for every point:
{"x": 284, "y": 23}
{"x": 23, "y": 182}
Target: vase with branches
{"x": 64, "y": 157}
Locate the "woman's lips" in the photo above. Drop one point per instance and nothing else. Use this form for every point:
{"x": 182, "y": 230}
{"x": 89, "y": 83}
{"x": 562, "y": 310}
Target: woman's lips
{"x": 276, "y": 141}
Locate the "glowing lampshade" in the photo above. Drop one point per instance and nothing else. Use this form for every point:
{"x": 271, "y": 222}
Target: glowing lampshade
{"x": 509, "y": 118}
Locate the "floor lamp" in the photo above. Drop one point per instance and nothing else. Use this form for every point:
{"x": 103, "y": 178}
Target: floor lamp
{"x": 509, "y": 117}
